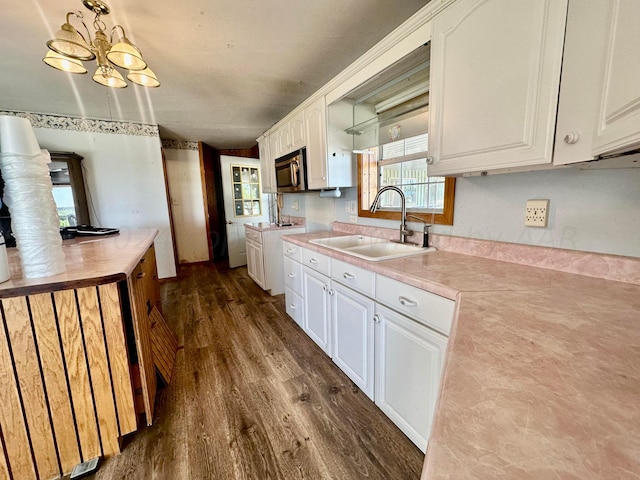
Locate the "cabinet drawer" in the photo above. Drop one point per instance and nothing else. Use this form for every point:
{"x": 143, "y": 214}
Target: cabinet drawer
{"x": 292, "y": 250}
{"x": 253, "y": 235}
{"x": 354, "y": 277}
{"x": 293, "y": 275}
{"x": 425, "y": 307}
{"x": 315, "y": 260}
{"x": 294, "y": 306}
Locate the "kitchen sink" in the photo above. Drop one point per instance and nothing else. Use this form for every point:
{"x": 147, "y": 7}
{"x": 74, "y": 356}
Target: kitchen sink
{"x": 348, "y": 241}
{"x": 371, "y": 248}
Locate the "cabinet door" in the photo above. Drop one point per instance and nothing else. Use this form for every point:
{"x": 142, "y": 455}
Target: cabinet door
{"x": 316, "y": 131}
{"x": 618, "y": 125}
{"x": 142, "y": 332}
{"x": 495, "y": 76}
{"x": 297, "y": 131}
{"x": 294, "y": 305}
{"x": 582, "y": 70}
{"x": 315, "y": 288}
{"x": 284, "y": 138}
{"x": 255, "y": 267}
{"x": 274, "y": 148}
{"x": 408, "y": 365}
{"x": 267, "y": 169}
{"x": 352, "y": 335}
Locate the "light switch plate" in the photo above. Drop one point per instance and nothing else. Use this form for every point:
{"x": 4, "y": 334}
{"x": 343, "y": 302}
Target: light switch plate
{"x": 537, "y": 212}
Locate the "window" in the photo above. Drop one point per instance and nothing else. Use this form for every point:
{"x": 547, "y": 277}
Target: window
{"x": 403, "y": 163}
{"x": 246, "y": 191}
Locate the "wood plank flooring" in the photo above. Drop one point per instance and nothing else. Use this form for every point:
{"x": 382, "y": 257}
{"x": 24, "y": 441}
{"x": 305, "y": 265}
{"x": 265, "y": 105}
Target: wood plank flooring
{"x": 252, "y": 397}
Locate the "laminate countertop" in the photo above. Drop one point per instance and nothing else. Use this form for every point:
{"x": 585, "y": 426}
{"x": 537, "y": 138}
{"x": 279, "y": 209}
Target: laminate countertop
{"x": 89, "y": 261}
{"x": 542, "y": 375}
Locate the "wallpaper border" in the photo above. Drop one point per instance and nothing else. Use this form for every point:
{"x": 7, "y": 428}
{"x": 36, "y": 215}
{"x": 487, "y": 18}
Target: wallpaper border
{"x": 179, "y": 145}
{"x": 60, "y": 122}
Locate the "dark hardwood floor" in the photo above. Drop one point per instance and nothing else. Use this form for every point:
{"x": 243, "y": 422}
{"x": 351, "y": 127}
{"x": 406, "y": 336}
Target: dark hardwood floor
{"x": 252, "y": 397}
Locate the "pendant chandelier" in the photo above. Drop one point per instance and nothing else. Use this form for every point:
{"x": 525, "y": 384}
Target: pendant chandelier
{"x": 69, "y": 48}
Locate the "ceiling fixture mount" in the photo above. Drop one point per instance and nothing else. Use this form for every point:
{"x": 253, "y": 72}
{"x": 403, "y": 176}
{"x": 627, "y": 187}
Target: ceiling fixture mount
{"x": 69, "y": 48}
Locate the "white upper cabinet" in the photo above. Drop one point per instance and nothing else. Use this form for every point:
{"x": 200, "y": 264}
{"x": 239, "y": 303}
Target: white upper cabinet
{"x": 330, "y": 161}
{"x": 316, "y": 131}
{"x": 291, "y": 134}
{"x": 267, "y": 168}
{"x": 495, "y": 75}
{"x": 582, "y": 71}
{"x": 274, "y": 146}
{"x": 618, "y": 126}
{"x": 284, "y": 138}
{"x": 298, "y": 137}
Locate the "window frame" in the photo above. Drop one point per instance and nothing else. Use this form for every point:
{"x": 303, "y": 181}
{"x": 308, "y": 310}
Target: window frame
{"x": 444, "y": 218}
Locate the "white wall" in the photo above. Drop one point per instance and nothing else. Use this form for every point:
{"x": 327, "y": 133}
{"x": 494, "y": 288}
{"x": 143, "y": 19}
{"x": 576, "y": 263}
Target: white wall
{"x": 590, "y": 210}
{"x": 187, "y": 205}
{"x": 124, "y": 180}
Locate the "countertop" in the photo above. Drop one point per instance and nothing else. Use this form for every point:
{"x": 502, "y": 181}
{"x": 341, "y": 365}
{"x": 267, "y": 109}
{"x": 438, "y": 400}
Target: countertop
{"x": 89, "y": 261}
{"x": 542, "y": 377}
{"x": 271, "y": 226}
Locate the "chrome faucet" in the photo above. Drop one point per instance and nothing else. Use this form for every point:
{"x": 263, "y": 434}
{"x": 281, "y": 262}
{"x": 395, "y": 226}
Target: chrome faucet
{"x": 403, "y": 218}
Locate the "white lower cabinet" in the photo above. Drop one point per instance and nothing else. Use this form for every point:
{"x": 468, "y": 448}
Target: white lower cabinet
{"x": 315, "y": 292}
{"x": 294, "y": 306}
{"x": 389, "y": 338}
{"x": 408, "y": 364}
{"x": 255, "y": 265}
{"x": 352, "y": 327}
{"x": 264, "y": 256}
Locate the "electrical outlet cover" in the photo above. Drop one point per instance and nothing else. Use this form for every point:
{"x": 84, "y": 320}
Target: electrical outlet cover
{"x": 537, "y": 213}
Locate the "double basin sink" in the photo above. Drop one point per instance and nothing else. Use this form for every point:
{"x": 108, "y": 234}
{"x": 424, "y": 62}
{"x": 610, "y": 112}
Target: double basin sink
{"x": 370, "y": 248}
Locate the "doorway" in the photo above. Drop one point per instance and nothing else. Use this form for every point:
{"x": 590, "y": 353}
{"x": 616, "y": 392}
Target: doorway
{"x": 244, "y": 203}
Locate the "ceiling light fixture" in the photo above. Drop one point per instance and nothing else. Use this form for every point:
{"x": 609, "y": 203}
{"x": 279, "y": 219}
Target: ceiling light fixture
{"x": 69, "y": 48}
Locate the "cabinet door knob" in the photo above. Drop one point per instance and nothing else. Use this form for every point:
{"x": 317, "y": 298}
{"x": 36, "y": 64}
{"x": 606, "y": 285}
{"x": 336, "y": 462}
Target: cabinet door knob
{"x": 429, "y": 160}
{"x": 405, "y": 302}
{"x": 376, "y": 318}
{"x": 571, "y": 138}
{"x": 324, "y": 287}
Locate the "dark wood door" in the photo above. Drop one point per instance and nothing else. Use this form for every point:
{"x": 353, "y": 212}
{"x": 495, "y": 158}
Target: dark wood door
{"x": 213, "y": 201}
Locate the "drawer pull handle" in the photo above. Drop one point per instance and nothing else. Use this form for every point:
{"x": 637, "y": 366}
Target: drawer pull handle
{"x": 348, "y": 276}
{"x": 291, "y": 250}
{"x": 405, "y": 302}
{"x": 291, "y": 305}
{"x": 143, "y": 259}
{"x": 291, "y": 275}
{"x": 313, "y": 260}
{"x": 141, "y": 275}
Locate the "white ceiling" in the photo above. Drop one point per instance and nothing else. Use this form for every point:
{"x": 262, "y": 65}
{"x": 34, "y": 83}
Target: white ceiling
{"x": 229, "y": 69}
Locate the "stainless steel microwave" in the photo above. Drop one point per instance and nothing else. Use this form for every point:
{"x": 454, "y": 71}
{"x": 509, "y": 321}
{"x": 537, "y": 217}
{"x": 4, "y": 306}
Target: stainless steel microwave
{"x": 291, "y": 174}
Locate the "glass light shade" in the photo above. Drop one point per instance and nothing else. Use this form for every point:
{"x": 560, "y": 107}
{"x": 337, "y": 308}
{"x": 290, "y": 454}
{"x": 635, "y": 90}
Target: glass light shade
{"x": 66, "y": 64}
{"x": 145, "y": 77}
{"x": 70, "y": 43}
{"x": 109, "y": 78}
{"x": 126, "y": 55}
